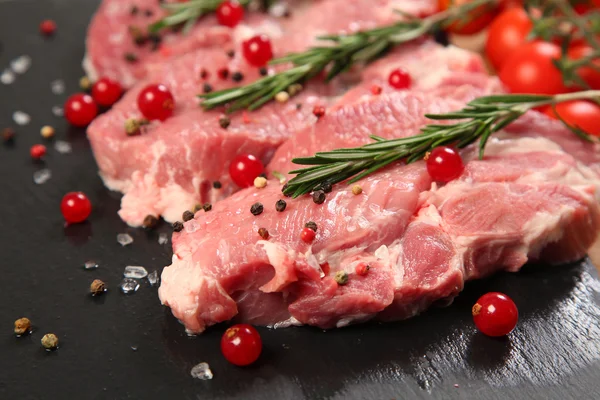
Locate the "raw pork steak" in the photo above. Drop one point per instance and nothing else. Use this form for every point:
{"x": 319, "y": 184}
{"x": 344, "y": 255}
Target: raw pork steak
{"x": 531, "y": 198}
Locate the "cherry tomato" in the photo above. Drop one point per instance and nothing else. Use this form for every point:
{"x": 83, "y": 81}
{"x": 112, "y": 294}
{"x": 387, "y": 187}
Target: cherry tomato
{"x": 476, "y": 20}
{"x": 529, "y": 69}
{"x": 508, "y": 31}
{"x": 580, "y": 113}
{"x": 241, "y": 345}
{"x": 589, "y": 75}
{"x": 495, "y": 314}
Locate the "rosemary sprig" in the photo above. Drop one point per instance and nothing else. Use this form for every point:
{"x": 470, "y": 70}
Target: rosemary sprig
{"x": 344, "y": 51}
{"x": 480, "y": 119}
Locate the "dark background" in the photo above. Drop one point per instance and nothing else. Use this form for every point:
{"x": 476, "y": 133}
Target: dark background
{"x": 553, "y": 353}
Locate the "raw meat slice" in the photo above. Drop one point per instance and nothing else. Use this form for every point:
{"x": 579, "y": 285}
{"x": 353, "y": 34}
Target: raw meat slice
{"x": 421, "y": 241}
{"x": 109, "y": 38}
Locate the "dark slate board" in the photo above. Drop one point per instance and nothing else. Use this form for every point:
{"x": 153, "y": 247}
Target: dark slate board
{"x": 554, "y": 352}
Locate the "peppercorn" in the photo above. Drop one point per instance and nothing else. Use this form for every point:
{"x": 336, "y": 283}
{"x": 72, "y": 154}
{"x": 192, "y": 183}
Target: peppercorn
{"x": 319, "y": 111}
{"x": 150, "y": 222}
{"x": 356, "y": 190}
{"x": 148, "y": 13}
{"x": 130, "y": 57}
{"x": 138, "y": 35}
{"x": 263, "y": 233}
{"x": 326, "y": 187}
{"x": 97, "y": 287}
{"x": 224, "y": 122}
{"x": 187, "y": 215}
{"x": 217, "y": 185}
{"x": 177, "y": 226}
{"x": 294, "y": 89}
{"x": 298, "y": 106}
{"x": 203, "y": 73}
{"x": 282, "y": 97}
{"x": 85, "y": 84}
{"x": 280, "y": 205}
{"x": 341, "y": 277}
{"x": 156, "y": 40}
{"x": 256, "y": 209}
{"x": 8, "y": 135}
{"x": 207, "y": 207}
{"x": 47, "y": 132}
{"x": 197, "y": 208}
{"x": 319, "y": 196}
{"x": 263, "y": 71}
{"x": 223, "y": 73}
{"x": 283, "y": 189}
{"x": 376, "y": 89}
{"x": 22, "y": 326}
{"x": 260, "y": 182}
{"x": 50, "y": 341}
{"x": 237, "y": 76}
{"x": 134, "y": 10}
{"x": 133, "y": 126}
{"x": 311, "y": 225}
{"x": 231, "y": 53}
{"x": 207, "y": 88}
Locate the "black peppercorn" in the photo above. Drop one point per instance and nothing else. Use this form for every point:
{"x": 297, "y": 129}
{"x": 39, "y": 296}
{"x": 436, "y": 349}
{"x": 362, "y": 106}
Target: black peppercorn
{"x": 217, "y": 185}
{"x": 326, "y": 187}
{"x": 150, "y": 222}
{"x": 187, "y": 215}
{"x": 131, "y": 58}
{"x": 319, "y": 196}
{"x": 263, "y": 71}
{"x": 283, "y": 189}
{"x": 231, "y": 53}
{"x": 280, "y": 205}
{"x": 148, "y": 13}
{"x": 237, "y": 76}
{"x": 311, "y": 225}
{"x": 203, "y": 73}
{"x": 207, "y": 207}
{"x": 256, "y": 209}
{"x": 224, "y": 122}
{"x": 134, "y": 10}
{"x": 207, "y": 88}
{"x": 8, "y": 135}
{"x": 178, "y": 226}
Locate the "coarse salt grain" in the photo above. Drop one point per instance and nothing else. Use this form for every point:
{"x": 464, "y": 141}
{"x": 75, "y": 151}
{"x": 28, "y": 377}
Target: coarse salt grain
{"x": 7, "y": 77}
{"x": 21, "y": 118}
{"x": 21, "y": 64}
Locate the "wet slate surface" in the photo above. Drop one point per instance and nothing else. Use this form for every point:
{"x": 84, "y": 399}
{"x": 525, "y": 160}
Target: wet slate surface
{"x": 554, "y": 352}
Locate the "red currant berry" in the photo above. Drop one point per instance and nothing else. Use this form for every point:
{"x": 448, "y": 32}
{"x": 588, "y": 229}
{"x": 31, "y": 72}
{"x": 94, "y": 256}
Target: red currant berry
{"x": 307, "y": 235}
{"x": 80, "y": 109}
{"x": 495, "y": 314}
{"x": 37, "y": 151}
{"x": 156, "y": 102}
{"x": 75, "y": 207}
{"x": 444, "y": 164}
{"x": 244, "y": 169}
{"x": 399, "y": 79}
{"x": 362, "y": 269}
{"x": 241, "y": 345}
{"x": 257, "y": 50}
{"x": 47, "y": 27}
{"x": 106, "y": 92}
{"x": 230, "y": 13}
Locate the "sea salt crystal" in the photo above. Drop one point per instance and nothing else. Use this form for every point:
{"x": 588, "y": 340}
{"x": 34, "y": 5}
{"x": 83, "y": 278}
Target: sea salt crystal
{"x": 90, "y": 265}
{"x": 42, "y": 176}
{"x": 21, "y": 118}
{"x": 63, "y": 147}
{"x": 202, "y": 371}
{"x": 124, "y": 239}
{"x": 7, "y": 77}
{"x": 153, "y": 278}
{"x": 58, "y": 111}
{"x": 129, "y": 286}
{"x": 57, "y": 86}
{"x": 135, "y": 272}
{"x": 21, "y": 64}
{"x": 163, "y": 238}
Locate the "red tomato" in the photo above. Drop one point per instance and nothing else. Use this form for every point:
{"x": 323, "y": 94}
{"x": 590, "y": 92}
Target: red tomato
{"x": 580, "y": 113}
{"x": 588, "y": 74}
{"x": 478, "y": 19}
{"x": 529, "y": 69}
{"x": 508, "y": 31}
{"x": 585, "y": 6}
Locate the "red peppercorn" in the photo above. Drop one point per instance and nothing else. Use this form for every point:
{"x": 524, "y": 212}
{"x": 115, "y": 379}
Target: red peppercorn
{"x": 156, "y": 102}
{"x": 399, "y": 79}
{"x": 230, "y": 13}
{"x": 319, "y": 111}
{"x": 444, "y": 164}
{"x": 241, "y": 345}
{"x": 257, "y": 50}
{"x": 495, "y": 314}
{"x": 47, "y": 27}
{"x": 376, "y": 89}
{"x": 223, "y": 73}
{"x": 80, "y": 109}
{"x": 362, "y": 269}
{"x": 244, "y": 168}
{"x": 75, "y": 207}
{"x": 37, "y": 151}
{"x": 106, "y": 92}
{"x": 307, "y": 235}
